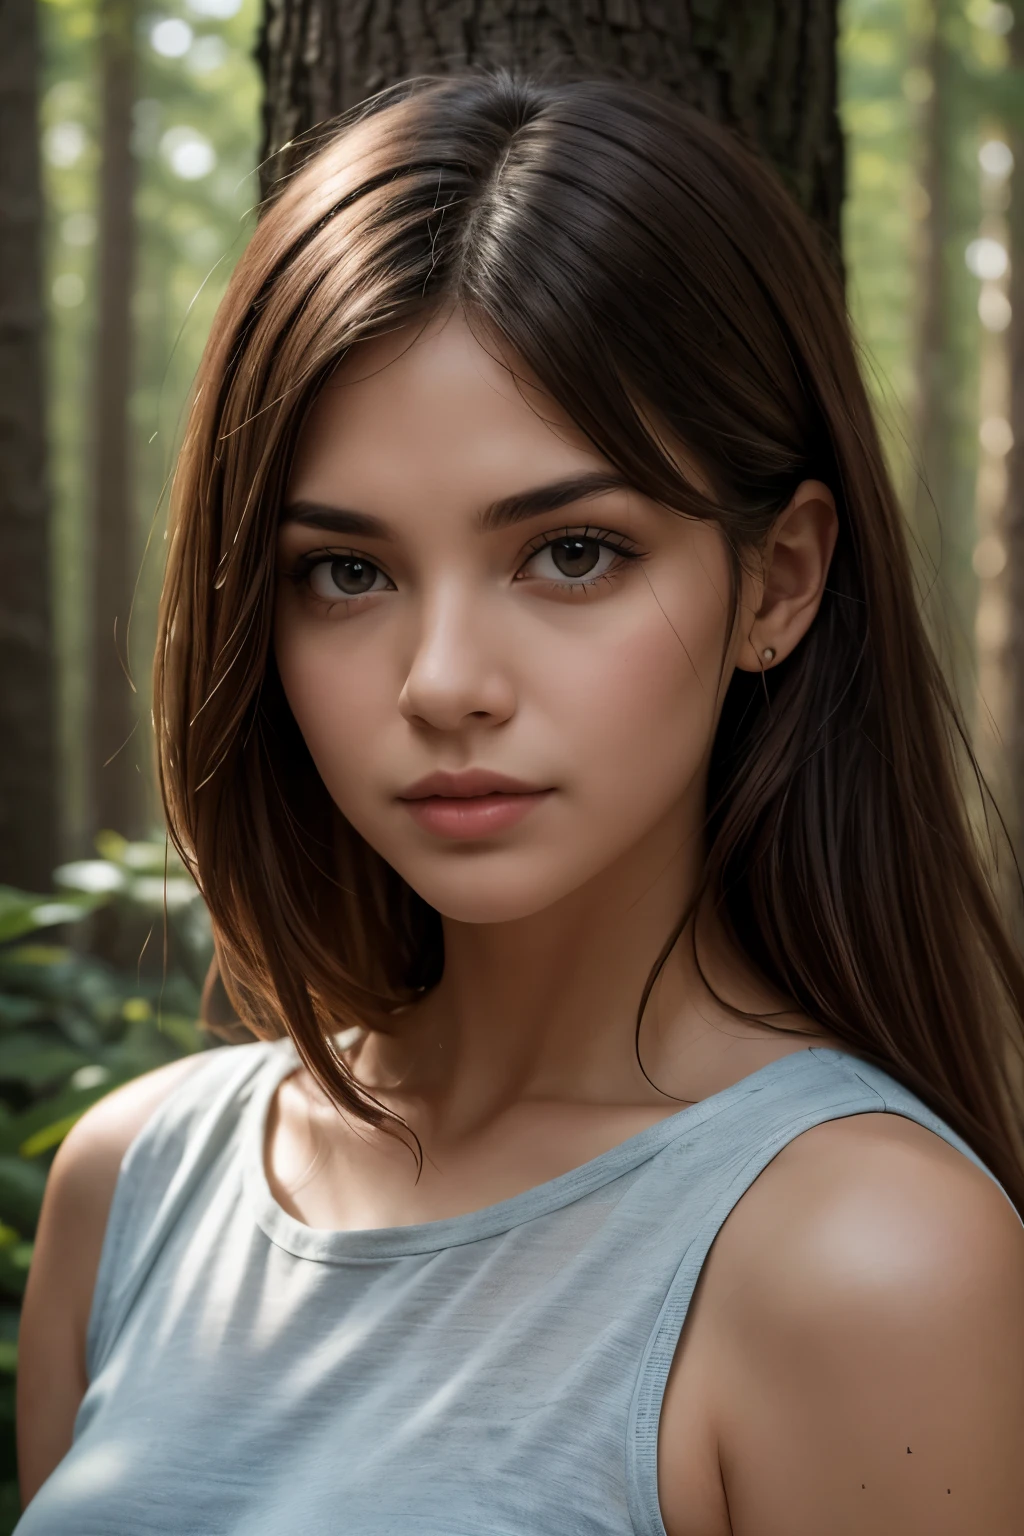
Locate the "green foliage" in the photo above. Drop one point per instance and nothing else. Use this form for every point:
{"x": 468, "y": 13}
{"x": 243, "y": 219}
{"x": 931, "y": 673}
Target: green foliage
{"x": 78, "y": 1018}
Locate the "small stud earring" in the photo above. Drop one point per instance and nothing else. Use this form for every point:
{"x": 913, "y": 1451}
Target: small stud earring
{"x": 768, "y": 653}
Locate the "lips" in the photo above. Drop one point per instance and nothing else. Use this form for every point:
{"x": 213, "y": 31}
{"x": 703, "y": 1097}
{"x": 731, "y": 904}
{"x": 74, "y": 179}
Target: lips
{"x": 470, "y": 805}
{"x": 470, "y": 784}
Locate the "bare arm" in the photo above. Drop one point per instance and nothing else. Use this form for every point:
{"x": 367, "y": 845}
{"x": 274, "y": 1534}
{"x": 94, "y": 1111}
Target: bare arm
{"x": 58, "y": 1296}
{"x": 870, "y": 1362}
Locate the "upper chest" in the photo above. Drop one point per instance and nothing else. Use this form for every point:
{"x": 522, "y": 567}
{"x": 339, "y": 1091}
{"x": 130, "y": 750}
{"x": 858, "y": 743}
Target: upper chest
{"x": 344, "y": 1183}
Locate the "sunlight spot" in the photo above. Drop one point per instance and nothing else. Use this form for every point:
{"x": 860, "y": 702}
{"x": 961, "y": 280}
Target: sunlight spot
{"x": 68, "y": 290}
{"x": 996, "y": 159}
{"x": 993, "y": 309}
{"x": 190, "y": 155}
{"x": 78, "y": 228}
{"x": 64, "y": 143}
{"x": 220, "y": 9}
{"x": 986, "y": 258}
{"x": 207, "y": 54}
{"x": 171, "y": 38}
{"x": 996, "y": 436}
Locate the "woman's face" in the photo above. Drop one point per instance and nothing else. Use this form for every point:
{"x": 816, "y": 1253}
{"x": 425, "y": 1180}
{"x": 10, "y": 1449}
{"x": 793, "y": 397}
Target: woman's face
{"x": 465, "y": 586}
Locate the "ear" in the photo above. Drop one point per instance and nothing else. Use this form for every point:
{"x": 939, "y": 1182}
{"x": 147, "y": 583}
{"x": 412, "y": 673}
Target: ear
{"x": 795, "y": 561}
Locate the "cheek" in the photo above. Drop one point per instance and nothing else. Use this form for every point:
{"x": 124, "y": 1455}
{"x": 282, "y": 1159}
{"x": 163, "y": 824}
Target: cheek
{"x": 338, "y": 698}
{"x": 640, "y": 701}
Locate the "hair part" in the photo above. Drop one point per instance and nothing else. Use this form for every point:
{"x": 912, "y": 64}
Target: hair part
{"x": 644, "y": 265}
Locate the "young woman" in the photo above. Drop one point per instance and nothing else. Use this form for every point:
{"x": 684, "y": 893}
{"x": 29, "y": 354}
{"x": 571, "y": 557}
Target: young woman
{"x": 630, "y": 1143}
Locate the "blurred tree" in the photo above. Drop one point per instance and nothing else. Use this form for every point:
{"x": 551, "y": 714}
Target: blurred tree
{"x": 193, "y": 140}
{"x": 768, "y": 70}
{"x": 934, "y": 396}
{"x": 117, "y": 783}
{"x": 1013, "y": 656}
{"x": 28, "y": 771}
{"x": 954, "y": 78}
{"x": 879, "y": 96}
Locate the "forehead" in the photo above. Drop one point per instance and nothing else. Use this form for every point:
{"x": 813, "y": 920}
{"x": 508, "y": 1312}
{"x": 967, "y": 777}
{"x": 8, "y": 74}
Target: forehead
{"x": 436, "y": 405}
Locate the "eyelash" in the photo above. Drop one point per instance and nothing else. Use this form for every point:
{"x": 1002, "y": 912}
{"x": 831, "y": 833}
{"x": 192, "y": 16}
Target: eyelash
{"x": 623, "y": 547}
{"x": 602, "y": 537}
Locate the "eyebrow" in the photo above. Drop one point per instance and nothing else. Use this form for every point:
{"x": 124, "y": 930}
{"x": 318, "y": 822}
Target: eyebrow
{"x": 500, "y": 514}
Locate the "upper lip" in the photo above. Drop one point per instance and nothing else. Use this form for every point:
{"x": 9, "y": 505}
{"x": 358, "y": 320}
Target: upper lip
{"x": 465, "y": 785}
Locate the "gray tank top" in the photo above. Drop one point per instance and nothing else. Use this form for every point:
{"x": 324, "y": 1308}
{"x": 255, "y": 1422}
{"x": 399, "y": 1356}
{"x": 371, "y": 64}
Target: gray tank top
{"x": 494, "y": 1374}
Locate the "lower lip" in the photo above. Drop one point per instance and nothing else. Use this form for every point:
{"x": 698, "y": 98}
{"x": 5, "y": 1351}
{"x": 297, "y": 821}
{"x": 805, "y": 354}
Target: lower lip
{"x": 475, "y": 817}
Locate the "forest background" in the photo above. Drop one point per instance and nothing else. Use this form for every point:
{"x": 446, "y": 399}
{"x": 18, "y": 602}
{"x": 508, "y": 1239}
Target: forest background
{"x": 154, "y": 107}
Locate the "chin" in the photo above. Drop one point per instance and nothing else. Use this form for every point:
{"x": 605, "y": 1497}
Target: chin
{"x": 491, "y": 885}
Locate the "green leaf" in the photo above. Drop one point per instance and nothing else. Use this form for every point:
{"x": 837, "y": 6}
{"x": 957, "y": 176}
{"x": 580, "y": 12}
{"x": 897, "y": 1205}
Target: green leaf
{"x": 33, "y": 958}
{"x": 49, "y": 1136}
{"x": 21, "y": 912}
{"x": 69, "y": 1103}
{"x": 16, "y": 1011}
{"x": 148, "y": 859}
{"x": 27, "y": 1058}
{"x": 95, "y": 877}
{"x": 16, "y": 908}
{"x": 14, "y": 1265}
{"x": 184, "y": 1031}
{"x": 21, "y": 1193}
{"x": 111, "y": 846}
{"x": 48, "y": 914}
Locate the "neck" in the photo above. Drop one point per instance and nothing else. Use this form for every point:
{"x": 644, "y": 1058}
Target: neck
{"x": 545, "y": 1007}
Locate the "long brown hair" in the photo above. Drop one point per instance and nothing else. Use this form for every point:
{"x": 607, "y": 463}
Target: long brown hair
{"x": 646, "y": 266}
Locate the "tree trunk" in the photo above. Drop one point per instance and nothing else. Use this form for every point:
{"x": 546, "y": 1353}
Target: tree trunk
{"x": 767, "y": 67}
{"x": 933, "y": 433}
{"x": 28, "y": 771}
{"x": 117, "y": 785}
{"x": 1013, "y": 514}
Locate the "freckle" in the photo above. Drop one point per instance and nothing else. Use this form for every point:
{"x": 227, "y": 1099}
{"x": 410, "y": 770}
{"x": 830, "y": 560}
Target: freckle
{"x": 909, "y": 1451}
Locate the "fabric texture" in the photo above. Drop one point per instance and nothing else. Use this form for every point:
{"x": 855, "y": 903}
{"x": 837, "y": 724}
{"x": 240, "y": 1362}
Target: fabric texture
{"x": 498, "y": 1373}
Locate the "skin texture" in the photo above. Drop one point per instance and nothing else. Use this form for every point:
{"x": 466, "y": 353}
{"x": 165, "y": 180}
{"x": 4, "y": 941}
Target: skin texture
{"x": 865, "y": 1294}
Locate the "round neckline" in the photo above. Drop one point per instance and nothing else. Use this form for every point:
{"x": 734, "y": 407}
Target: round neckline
{"x": 342, "y": 1245}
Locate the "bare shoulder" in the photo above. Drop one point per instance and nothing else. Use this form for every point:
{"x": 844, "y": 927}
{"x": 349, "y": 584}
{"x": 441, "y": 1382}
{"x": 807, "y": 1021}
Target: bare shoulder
{"x": 109, "y": 1127}
{"x": 69, "y": 1240}
{"x": 876, "y": 1185}
{"x": 867, "y": 1295}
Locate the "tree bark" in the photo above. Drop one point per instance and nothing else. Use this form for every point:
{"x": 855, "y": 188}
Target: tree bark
{"x": 766, "y": 67}
{"x": 117, "y": 785}
{"x": 28, "y": 771}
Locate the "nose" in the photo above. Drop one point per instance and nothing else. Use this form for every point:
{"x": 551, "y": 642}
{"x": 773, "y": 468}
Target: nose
{"x": 458, "y": 670}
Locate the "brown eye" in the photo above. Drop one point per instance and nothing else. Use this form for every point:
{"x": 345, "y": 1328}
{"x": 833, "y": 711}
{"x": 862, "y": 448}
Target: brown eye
{"x": 346, "y": 576}
{"x": 575, "y": 557}
{"x": 573, "y": 560}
